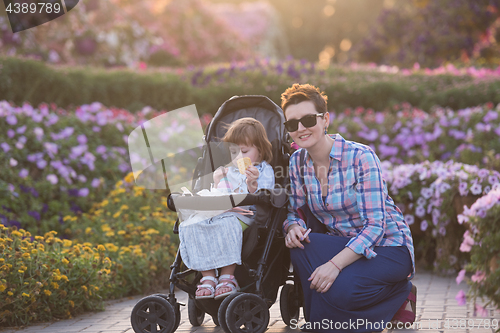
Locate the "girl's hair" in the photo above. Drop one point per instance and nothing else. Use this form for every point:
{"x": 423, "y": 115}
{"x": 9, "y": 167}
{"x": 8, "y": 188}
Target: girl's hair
{"x": 249, "y": 131}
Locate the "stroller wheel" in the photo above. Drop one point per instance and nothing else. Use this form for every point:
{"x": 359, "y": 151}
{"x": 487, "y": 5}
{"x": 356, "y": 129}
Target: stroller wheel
{"x": 289, "y": 304}
{"x": 154, "y": 314}
{"x": 221, "y": 315}
{"x": 247, "y": 313}
{"x": 196, "y": 315}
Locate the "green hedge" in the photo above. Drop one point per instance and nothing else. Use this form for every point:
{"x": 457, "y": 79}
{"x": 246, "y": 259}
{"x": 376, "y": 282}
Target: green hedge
{"x": 34, "y": 82}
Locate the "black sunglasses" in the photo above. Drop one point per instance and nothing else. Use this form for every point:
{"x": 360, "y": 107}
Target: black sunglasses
{"x": 307, "y": 121}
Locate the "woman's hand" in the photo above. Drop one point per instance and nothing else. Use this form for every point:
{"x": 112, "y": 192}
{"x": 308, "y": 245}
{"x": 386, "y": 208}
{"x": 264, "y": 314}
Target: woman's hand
{"x": 323, "y": 277}
{"x": 294, "y": 237}
{"x": 252, "y": 175}
{"x": 219, "y": 174}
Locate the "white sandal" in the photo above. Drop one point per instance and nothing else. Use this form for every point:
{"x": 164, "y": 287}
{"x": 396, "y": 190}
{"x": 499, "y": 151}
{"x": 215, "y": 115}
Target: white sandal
{"x": 206, "y": 286}
{"x": 230, "y": 282}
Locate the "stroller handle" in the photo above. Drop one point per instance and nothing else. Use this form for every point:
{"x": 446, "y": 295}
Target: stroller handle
{"x": 178, "y": 201}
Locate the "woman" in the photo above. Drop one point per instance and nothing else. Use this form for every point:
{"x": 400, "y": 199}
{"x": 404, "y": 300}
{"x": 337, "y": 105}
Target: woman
{"x": 356, "y": 276}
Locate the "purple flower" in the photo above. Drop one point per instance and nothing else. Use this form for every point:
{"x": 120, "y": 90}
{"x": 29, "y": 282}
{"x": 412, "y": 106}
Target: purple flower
{"x": 424, "y": 225}
{"x": 11, "y": 133}
{"x": 77, "y": 151}
{"x": 420, "y": 211}
{"x": 83, "y": 192}
{"x": 124, "y": 167}
{"x": 410, "y": 219}
{"x": 52, "y": 179}
{"x": 21, "y": 129}
{"x": 51, "y": 148}
{"x": 82, "y": 139}
{"x": 11, "y": 120}
{"x": 38, "y": 132}
{"x": 100, "y": 149}
{"x": 461, "y": 299}
{"x": 41, "y": 164}
{"x": 462, "y": 188}
{"x": 483, "y": 173}
{"x": 5, "y": 146}
{"x": 442, "y": 231}
{"x": 493, "y": 180}
{"x": 37, "y": 117}
{"x": 34, "y": 214}
{"x": 53, "y": 118}
{"x": 95, "y": 182}
{"x": 460, "y": 276}
{"x": 56, "y": 164}
{"x": 12, "y": 162}
{"x": 23, "y": 173}
{"x": 476, "y": 189}
{"x": 491, "y": 115}
{"x": 82, "y": 178}
{"x": 73, "y": 192}
{"x": 96, "y": 129}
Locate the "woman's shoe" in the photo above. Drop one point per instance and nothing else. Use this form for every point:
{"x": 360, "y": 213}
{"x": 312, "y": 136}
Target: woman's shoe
{"x": 208, "y": 287}
{"x": 405, "y": 315}
{"x": 227, "y": 281}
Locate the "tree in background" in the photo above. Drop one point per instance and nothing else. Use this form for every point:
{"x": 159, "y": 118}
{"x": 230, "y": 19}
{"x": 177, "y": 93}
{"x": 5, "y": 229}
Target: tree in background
{"x": 433, "y": 32}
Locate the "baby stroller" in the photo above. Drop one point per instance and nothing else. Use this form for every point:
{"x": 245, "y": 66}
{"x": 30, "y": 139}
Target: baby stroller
{"x": 265, "y": 259}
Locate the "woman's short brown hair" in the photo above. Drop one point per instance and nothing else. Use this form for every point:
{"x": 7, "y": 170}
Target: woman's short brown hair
{"x": 249, "y": 131}
{"x": 304, "y": 92}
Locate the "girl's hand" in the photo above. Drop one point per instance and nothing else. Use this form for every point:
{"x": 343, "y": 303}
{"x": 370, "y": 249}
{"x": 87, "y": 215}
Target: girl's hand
{"x": 323, "y": 277}
{"x": 218, "y": 174}
{"x": 294, "y": 237}
{"x": 252, "y": 175}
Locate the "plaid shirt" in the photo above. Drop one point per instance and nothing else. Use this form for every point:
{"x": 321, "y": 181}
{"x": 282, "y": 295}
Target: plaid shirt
{"x": 357, "y": 204}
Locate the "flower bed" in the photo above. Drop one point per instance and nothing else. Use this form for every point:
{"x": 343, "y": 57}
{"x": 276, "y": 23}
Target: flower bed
{"x": 470, "y": 136}
{"x": 431, "y": 195}
{"x": 208, "y": 87}
{"x": 482, "y": 240}
{"x": 117, "y": 249}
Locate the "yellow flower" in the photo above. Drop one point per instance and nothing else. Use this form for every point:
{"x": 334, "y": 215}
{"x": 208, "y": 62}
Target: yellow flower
{"x": 25, "y": 295}
{"x": 119, "y": 184}
{"x": 101, "y": 247}
{"x": 116, "y": 200}
{"x": 2, "y": 287}
{"x": 104, "y": 203}
{"x": 84, "y": 288}
{"x": 47, "y": 292}
{"x": 65, "y": 261}
{"x": 21, "y": 271}
{"x": 66, "y": 218}
{"x": 71, "y": 303}
{"x": 112, "y": 247}
{"x": 2, "y": 260}
{"x": 88, "y": 230}
{"x": 16, "y": 233}
{"x": 121, "y": 232}
{"x": 55, "y": 285}
{"x": 145, "y": 208}
{"x": 110, "y": 234}
{"x": 64, "y": 278}
{"x": 115, "y": 215}
{"x": 26, "y": 255}
{"x": 34, "y": 251}
{"x": 67, "y": 243}
{"x": 123, "y": 207}
{"x": 130, "y": 177}
{"x": 40, "y": 238}
{"x": 10, "y": 293}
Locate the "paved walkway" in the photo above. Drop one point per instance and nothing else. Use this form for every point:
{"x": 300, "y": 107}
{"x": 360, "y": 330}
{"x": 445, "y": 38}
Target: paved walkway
{"x": 437, "y": 311}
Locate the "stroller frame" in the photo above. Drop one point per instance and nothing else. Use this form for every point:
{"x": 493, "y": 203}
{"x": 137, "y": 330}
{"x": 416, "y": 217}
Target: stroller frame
{"x": 239, "y": 312}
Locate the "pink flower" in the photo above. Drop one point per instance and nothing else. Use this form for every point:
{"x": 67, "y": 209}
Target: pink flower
{"x": 460, "y": 276}
{"x": 52, "y": 179}
{"x": 468, "y": 242}
{"x": 461, "y": 298}
{"x": 478, "y": 276}
{"x": 481, "y": 311}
